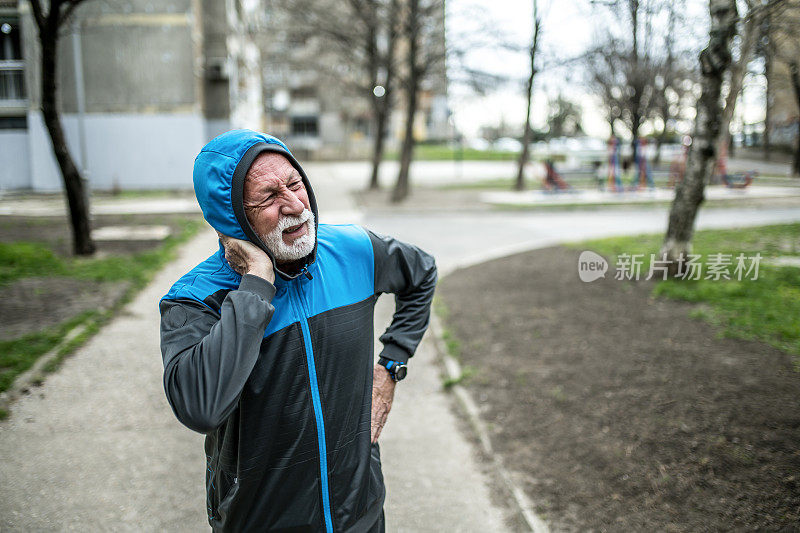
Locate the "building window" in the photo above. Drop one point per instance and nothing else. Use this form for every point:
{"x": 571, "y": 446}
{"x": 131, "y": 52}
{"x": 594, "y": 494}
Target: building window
{"x": 305, "y": 126}
{"x": 13, "y": 123}
{"x": 12, "y": 67}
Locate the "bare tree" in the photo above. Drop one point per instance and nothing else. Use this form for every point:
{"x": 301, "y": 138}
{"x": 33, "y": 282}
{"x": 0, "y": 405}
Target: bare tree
{"x": 627, "y": 69}
{"x": 526, "y": 136}
{"x": 50, "y": 19}
{"x": 715, "y": 61}
{"x": 382, "y": 104}
{"x": 564, "y": 118}
{"x": 675, "y": 79}
{"x": 636, "y": 67}
{"x": 423, "y": 39}
{"x": 354, "y": 45}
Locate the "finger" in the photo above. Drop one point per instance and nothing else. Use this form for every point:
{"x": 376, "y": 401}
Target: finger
{"x": 378, "y": 421}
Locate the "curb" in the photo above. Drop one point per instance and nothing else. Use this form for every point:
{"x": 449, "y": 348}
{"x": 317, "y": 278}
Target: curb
{"x": 453, "y": 371}
{"x": 34, "y": 374}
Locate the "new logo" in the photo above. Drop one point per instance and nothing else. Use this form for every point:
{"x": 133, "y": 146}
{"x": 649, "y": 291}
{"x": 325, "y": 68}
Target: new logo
{"x": 591, "y": 266}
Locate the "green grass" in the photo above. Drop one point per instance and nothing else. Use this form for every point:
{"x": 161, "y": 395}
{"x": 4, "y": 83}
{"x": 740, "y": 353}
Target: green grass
{"x": 437, "y": 152}
{"x": 28, "y": 259}
{"x": 35, "y": 259}
{"x": 444, "y": 152}
{"x": 142, "y": 193}
{"x": 451, "y": 343}
{"x": 18, "y": 355}
{"x": 467, "y": 372}
{"x": 765, "y": 309}
{"x": 452, "y": 346}
{"x": 487, "y": 185}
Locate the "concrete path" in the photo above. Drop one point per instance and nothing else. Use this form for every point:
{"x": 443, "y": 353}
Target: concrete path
{"x": 97, "y": 447}
{"x": 660, "y": 195}
{"x": 463, "y": 239}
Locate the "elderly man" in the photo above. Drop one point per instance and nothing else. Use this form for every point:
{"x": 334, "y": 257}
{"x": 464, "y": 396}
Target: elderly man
{"x": 268, "y": 346}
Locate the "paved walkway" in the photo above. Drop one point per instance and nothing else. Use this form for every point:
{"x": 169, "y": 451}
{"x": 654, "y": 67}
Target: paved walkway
{"x": 660, "y": 195}
{"x": 97, "y": 447}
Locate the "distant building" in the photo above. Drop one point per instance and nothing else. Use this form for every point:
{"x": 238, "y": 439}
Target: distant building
{"x": 784, "y": 117}
{"x": 783, "y": 47}
{"x": 322, "y": 117}
{"x": 143, "y": 85}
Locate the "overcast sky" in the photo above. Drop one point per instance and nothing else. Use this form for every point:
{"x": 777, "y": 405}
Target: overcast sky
{"x": 568, "y": 28}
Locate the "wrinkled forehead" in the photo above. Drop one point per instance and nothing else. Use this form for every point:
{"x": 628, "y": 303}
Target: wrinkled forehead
{"x": 271, "y": 165}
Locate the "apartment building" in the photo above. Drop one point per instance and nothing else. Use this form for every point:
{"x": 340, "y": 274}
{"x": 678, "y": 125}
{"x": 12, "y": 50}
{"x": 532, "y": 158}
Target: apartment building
{"x": 142, "y": 86}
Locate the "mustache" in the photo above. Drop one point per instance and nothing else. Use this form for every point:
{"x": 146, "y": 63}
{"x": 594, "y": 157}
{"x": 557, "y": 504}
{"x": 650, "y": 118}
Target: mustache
{"x": 288, "y": 221}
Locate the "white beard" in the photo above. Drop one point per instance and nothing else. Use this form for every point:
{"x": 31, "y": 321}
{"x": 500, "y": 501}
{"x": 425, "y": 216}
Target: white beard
{"x": 301, "y": 247}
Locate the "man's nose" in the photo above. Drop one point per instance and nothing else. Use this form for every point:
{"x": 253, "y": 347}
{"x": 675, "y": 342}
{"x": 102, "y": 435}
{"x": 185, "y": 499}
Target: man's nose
{"x": 292, "y": 205}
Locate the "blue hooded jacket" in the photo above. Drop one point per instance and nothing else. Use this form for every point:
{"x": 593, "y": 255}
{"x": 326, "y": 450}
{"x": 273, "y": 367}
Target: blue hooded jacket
{"x": 279, "y": 376}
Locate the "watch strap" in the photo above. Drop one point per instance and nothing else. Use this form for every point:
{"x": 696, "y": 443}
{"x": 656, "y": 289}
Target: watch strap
{"x": 392, "y": 366}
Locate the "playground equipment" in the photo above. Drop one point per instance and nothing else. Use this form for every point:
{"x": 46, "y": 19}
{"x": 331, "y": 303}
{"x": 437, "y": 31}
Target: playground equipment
{"x": 553, "y": 181}
{"x": 740, "y": 180}
{"x": 645, "y": 172}
{"x": 643, "y": 176}
{"x": 614, "y": 180}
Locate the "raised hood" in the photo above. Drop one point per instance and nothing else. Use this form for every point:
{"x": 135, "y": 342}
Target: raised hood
{"x": 219, "y": 172}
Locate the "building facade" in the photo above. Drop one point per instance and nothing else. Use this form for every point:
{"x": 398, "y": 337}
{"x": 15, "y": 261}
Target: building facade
{"x": 142, "y": 86}
{"x": 311, "y": 99}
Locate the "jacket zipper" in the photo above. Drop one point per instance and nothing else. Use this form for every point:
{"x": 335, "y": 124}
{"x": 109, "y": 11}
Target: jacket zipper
{"x": 317, "y": 403}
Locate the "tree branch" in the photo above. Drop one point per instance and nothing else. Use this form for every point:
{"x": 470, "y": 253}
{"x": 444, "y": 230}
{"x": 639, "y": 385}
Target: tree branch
{"x": 38, "y": 16}
{"x": 71, "y": 5}
{"x": 53, "y": 17}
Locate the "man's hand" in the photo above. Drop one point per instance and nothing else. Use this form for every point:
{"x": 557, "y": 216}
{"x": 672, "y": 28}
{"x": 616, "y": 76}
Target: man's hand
{"x": 382, "y": 396}
{"x": 247, "y": 258}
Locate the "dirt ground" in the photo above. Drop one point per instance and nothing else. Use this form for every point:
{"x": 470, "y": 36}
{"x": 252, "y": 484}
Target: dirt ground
{"x": 32, "y": 304}
{"x": 620, "y": 411}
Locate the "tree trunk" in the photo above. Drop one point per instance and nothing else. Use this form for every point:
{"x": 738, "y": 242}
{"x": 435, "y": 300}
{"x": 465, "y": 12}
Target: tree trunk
{"x": 635, "y": 134}
{"x": 383, "y": 105}
{"x": 636, "y": 97}
{"x": 657, "y": 154}
{"x": 526, "y": 135}
{"x": 402, "y": 187}
{"x": 662, "y": 136}
{"x": 73, "y": 181}
{"x": 767, "y": 101}
{"x": 714, "y": 61}
{"x": 611, "y": 122}
{"x": 377, "y": 145}
{"x": 738, "y": 70}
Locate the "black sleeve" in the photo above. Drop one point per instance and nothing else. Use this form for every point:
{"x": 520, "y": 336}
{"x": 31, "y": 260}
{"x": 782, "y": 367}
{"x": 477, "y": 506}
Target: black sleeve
{"x": 410, "y": 274}
{"x": 208, "y": 356}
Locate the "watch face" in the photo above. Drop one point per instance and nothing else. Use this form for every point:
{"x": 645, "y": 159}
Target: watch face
{"x": 400, "y": 373}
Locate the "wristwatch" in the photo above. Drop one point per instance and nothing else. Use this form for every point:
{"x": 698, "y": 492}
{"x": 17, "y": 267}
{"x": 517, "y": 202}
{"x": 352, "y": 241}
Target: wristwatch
{"x": 396, "y": 369}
